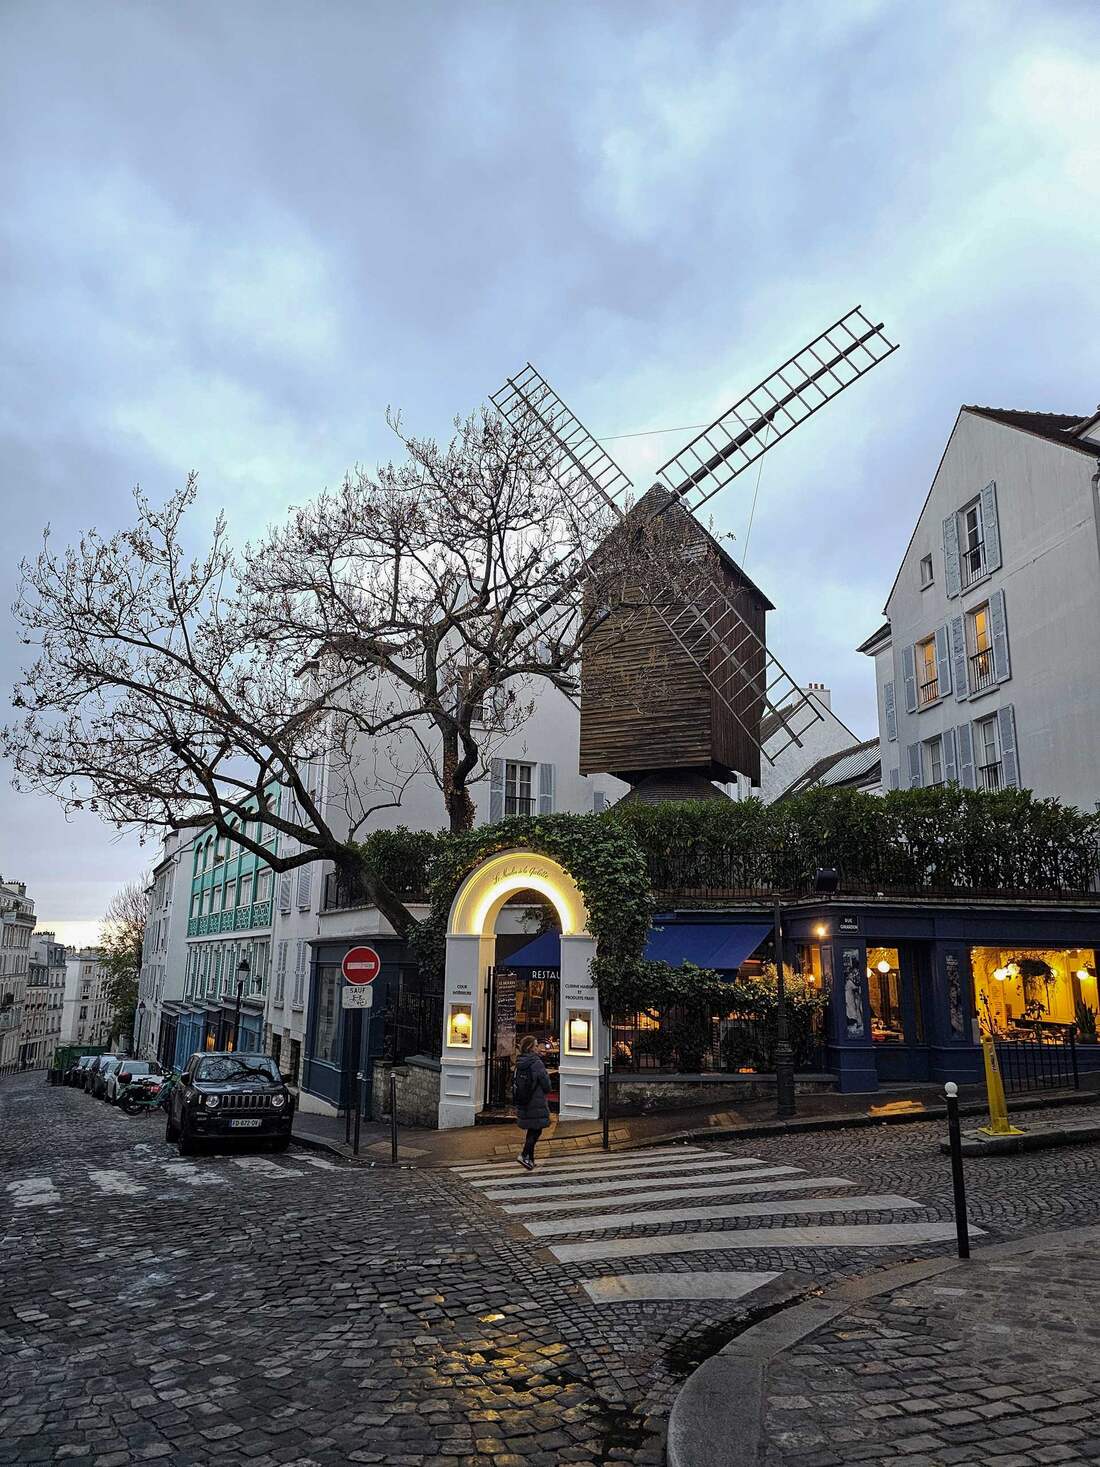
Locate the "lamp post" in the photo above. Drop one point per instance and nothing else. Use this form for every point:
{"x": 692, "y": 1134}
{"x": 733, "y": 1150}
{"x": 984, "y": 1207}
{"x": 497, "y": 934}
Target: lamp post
{"x": 825, "y": 882}
{"x": 139, "y": 1020}
{"x": 244, "y": 967}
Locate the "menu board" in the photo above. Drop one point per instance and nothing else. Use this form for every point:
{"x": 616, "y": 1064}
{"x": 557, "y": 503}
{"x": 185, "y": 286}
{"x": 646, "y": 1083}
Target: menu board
{"x": 504, "y": 1013}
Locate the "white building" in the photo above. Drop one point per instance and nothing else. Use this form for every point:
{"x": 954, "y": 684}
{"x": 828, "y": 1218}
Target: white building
{"x": 988, "y": 667}
{"x": 16, "y": 925}
{"x": 164, "y": 949}
{"x": 86, "y": 1017}
{"x": 803, "y": 765}
{"x": 43, "y": 1005}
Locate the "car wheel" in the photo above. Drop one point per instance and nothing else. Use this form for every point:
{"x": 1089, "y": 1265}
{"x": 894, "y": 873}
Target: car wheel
{"x": 170, "y": 1131}
{"x": 186, "y": 1143}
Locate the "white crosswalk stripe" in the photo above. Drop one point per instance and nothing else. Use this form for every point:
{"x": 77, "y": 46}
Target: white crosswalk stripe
{"x": 316, "y": 1161}
{"x": 115, "y": 1184}
{"x": 658, "y": 1191}
{"x": 265, "y": 1167}
{"x": 33, "y": 1192}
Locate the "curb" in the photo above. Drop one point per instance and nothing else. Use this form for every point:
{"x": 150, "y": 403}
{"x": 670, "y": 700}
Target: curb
{"x": 1043, "y": 1138}
{"x": 320, "y": 1143}
{"x": 717, "y": 1418}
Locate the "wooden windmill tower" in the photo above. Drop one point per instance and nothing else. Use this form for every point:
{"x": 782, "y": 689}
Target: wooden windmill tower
{"x": 702, "y": 649}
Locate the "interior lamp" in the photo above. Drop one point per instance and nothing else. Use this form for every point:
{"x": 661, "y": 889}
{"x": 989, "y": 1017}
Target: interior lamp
{"x": 460, "y": 1027}
{"x": 1000, "y": 974}
{"x": 883, "y": 965}
{"x": 1013, "y": 970}
{"x": 1082, "y": 974}
{"x": 821, "y": 930}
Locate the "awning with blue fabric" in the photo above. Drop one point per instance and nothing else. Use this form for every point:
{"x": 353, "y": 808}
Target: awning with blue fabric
{"x": 720, "y": 945}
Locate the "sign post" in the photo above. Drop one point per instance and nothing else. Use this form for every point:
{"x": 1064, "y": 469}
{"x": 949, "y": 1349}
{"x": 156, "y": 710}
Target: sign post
{"x": 360, "y": 967}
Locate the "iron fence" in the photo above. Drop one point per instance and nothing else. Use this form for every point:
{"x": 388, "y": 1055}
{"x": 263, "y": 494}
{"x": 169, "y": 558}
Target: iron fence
{"x": 1042, "y": 1059}
{"x": 414, "y": 1023}
{"x": 687, "y": 1041}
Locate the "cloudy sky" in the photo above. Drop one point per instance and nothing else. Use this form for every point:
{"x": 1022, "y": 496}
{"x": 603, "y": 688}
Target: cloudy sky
{"x": 233, "y": 233}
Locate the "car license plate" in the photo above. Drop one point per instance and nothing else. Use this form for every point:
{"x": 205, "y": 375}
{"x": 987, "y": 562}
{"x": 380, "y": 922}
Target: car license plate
{"x": 243, "y": 1125}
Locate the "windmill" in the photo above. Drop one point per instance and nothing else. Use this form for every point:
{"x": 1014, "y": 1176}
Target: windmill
{"x": 709, "y": 628}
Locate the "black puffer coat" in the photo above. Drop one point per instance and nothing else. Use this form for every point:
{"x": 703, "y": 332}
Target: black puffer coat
{"x": 535, "y": 1115}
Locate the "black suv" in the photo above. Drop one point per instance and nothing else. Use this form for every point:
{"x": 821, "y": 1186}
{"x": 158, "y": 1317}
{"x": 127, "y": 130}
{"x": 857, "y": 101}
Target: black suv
{"x": 225, "y": 1096}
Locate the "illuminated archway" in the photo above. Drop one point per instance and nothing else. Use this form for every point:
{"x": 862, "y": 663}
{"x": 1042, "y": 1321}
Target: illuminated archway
{"x": 471, "y": 951}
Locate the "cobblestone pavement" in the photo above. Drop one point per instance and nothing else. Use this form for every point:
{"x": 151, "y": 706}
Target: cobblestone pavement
{"x": 994, "y": 1364}
{"x": 268, "y": 1310}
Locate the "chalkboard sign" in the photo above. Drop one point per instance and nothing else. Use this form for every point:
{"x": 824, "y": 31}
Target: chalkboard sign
{"x": 504, "y": 1016}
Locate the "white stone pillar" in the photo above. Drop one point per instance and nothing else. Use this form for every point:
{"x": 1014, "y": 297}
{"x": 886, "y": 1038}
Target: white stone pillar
{"x": 579, "y": 1074}
{"x": 465, "y": 1016}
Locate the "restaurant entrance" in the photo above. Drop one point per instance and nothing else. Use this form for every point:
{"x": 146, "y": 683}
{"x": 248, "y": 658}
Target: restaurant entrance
{"x": 521, "y": 1001}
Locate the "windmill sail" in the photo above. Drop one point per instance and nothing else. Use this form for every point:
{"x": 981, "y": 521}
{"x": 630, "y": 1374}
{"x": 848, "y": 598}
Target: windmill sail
{"x": 728, "y": 654}
{"x": 842, "y": 354}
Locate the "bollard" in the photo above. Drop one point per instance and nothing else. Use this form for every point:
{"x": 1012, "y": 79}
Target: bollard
{"x": 358, "y": 1109}
{"x": 999, "y": 1123}
{"x": 958, "y": 1182}
{"x": 605, "y": 1103}
{"x": 393, "y": 1118}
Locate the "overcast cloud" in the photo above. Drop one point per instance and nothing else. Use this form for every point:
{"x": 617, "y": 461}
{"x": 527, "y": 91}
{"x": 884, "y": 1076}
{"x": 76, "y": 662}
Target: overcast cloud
{"x": 233, "y": 233}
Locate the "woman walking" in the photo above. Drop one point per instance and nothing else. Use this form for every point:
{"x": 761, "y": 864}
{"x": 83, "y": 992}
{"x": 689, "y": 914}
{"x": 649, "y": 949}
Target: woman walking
{"x": 530, "y": 1087}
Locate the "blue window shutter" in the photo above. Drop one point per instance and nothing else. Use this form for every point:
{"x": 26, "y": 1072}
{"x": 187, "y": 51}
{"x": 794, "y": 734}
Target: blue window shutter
{"x": 950, "y": 763}
{"x": 895, "y": 779}
{"x": 546, "y": 789}
{"x": 909, "y": 674}
{"x": 998, "y": 631}
{"x": 943, "y": 661}
{"x": 951, "y": 570}
{"x": 991, "y": 527}
{"x": 890, "y": 711}
{"x": 965, "y": 743}
{"x": 914, "y": 767}
{"x": 496, "y": 790}
{"x": 1010, "y": 764}
{"x": 958, "y": 657}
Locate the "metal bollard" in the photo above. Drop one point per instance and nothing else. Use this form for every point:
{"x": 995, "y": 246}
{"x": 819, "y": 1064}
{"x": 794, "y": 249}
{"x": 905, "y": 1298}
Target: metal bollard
{"x": 393, "y": 1118}
{"x": 605, "y": 1103}
{"x": 958, "y": 1182}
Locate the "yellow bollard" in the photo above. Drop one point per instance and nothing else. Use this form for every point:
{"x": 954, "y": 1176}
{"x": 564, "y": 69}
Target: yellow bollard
{"x": 999, "y": 1124}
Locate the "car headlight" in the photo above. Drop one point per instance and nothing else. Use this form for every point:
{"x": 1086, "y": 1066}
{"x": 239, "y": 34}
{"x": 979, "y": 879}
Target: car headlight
{"x": 212, "y": 1102}
{"x": 278, "y": 1100}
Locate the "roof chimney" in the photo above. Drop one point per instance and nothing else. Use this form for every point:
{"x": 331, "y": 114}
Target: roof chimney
{"x": 821, "y": 694}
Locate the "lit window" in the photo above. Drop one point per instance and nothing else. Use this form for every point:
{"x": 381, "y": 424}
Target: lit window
{"x": 928, "y": 683}
{"x": 980, "y": 648}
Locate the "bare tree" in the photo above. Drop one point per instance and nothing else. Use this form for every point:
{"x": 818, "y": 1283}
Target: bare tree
{"x": 417, "y": 606}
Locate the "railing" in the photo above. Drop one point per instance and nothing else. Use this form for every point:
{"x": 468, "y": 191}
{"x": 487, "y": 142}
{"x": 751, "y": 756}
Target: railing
{"x": 973, "y": 563}
{"x": 990, "y": 777}
{"x": 236, "y": 919}
{"x": 1044, "y": 1059}
{"x": 342, "y": 891}
{"x": 981, "y": 670}
{"x": 520, "y": 805}
{"x": 709, "y": 871}
{"x": 414, "y": 1024}
{"x": 930, "y": 691}
{"x": 686, "y": 1042}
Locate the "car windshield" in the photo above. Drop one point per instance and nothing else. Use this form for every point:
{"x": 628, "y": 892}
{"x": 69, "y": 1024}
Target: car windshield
{"x": 136, "y": 1067}
{"x": 238, "y": 1067}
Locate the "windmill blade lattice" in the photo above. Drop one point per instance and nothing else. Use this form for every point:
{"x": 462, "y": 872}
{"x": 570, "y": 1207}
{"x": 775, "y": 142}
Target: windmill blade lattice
{"x": 705, "y": 624}
{"x": 849, "y": 349}
{"x": 592, "y": 476}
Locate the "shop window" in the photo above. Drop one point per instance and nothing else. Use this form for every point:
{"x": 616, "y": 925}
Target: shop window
{"x": 884, "y": 988}
{"x": 1018, "y": 987}
{"x": 327, "y": 1044}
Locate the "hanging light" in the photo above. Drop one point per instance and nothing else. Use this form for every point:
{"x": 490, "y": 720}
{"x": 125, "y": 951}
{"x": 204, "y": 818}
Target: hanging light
{"x": 883, "y": 965}
{"x": 1000, "y": 974}
{"x": 1082, "y": 974}
{"x": 1013, "y": 969}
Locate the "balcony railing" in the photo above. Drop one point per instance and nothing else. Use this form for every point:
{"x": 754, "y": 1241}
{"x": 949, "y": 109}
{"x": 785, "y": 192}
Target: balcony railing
{"x": 990, "y": 777}
{"x": 519, "y": 805}
{"x": 930, "y": 691}
{"x": 973, "y": 563}
{"x": 237, "y": 919}
{"x": 981, "y": 670}
{"x": 344, "y": 892}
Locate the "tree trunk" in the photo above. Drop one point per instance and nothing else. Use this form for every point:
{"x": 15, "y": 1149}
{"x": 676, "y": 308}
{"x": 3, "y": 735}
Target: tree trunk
{"x": 456, "y": 797}
{"x": 379, "y": 894}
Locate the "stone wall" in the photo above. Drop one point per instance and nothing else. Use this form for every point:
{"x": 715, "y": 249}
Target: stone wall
{"x": 417, "y": 1091}
{"x": 641, "y": 1094}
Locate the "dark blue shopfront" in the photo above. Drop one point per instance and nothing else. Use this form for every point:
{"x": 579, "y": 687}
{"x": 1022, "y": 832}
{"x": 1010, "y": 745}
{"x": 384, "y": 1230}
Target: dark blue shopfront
{"x": 331, "y": 1060}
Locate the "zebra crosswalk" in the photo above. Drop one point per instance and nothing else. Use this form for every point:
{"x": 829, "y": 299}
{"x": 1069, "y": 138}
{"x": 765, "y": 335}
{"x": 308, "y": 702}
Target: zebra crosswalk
{"x": 669, "y": 1206}
{"x": 145, "y": 1172}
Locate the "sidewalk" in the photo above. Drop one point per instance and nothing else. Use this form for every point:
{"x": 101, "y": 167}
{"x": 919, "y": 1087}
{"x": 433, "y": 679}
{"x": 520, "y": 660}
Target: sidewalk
{"x": 493, "y": 1142}
{"x": 989, "y": 1363}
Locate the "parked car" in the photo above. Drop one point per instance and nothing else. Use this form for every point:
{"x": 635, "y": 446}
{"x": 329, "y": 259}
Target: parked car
{"x": 88, "y": 1075}
{"x": 74, "y": 1075}
{"x": 122, "y": 1074}
{"x": 107, "y": 1064}
{"x": 227, "y": 1096}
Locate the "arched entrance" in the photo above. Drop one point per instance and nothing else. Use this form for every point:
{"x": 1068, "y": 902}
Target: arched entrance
{"x": 471, "y": 954}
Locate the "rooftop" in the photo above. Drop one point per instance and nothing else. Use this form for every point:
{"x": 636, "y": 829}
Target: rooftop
{"x": 1055, "y": 427}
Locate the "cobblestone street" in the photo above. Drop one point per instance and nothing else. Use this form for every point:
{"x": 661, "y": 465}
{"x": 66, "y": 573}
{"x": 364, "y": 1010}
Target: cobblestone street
{"x": 247, "y": 1308}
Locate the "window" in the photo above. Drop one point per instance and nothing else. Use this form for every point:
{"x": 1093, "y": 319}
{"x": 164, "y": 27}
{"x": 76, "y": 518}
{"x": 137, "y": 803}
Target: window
{"x": 987, "y": 749}
{"x": 928, "y": 682}
{"x": 83, "y": 1012}
{"x": 244, "y": 897}
{"x": 263, "y": 885}
{"x": 518, "y": 783}
{"x": 972, "y": 547}
{"x": 326, "y": 1045}
{"x": 926, "y": 574}
{"x": 979, "y": 640}
{"x": 229, "y": 896}
{"x": 933, "y": 762}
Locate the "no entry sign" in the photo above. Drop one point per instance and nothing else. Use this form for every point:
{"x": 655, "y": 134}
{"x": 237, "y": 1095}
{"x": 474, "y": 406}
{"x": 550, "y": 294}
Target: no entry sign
{"x": 361, "y": 965}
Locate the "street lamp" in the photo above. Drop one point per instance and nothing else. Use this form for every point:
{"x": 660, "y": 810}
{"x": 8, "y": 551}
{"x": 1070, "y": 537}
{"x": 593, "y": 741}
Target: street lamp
{"x": 825, "y": 882}
{"x": 243, "y": 970}
{"x": 139, "y": 1019}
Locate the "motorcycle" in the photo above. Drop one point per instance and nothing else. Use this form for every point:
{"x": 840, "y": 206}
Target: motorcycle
{"x": 147, "y": 1093}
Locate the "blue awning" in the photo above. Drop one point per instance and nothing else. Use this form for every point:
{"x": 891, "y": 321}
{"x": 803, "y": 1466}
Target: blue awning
{"x": 720, "y": 945}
